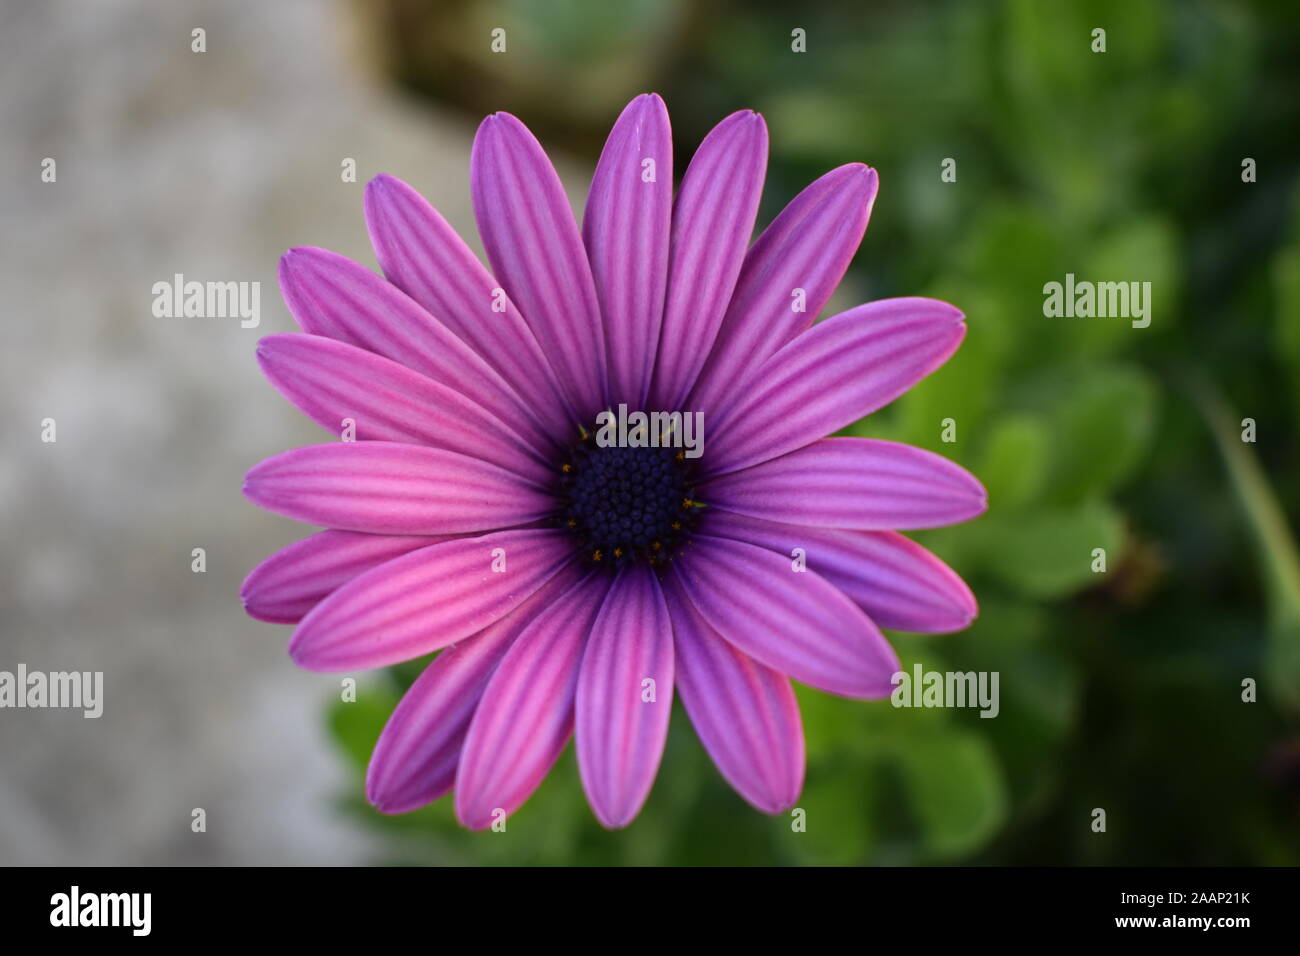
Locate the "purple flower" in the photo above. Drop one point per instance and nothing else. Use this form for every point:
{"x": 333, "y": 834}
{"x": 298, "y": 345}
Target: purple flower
{"x": 574, "y": 586}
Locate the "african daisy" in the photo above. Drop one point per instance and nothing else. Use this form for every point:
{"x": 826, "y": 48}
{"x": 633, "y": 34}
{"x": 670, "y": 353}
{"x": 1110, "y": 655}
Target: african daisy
{"x": 574, "y": 587}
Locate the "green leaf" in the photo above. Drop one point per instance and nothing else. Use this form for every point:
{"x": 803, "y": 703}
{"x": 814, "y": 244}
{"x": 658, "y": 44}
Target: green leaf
{"x": 1101, "y": 427}
{"x": 839, "y": 813}
{"x": 1038, "y": 692}
{"x": 1141, "y": 251}
{"x": 1274, "y": 540}
{"x": 1013, "y": 466}
{"x": 1286, "y": 291}
{"x": 1286, "y": 286}
{"x": 958, "y": 796}
{"x": 1049, "y": 553}
{"x": 356, "y": 725}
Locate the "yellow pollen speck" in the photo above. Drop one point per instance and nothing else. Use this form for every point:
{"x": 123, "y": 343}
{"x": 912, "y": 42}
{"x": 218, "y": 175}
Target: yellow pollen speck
{"x": 618, "y": 552}
{"x": 687, "y": 503}
{"x": 656, "y": 545}
{"x": 572, "y": 523}
{"x": 677, "y": 526}
{"x": 566, "y": 468}
{"x": 595, "y": 555}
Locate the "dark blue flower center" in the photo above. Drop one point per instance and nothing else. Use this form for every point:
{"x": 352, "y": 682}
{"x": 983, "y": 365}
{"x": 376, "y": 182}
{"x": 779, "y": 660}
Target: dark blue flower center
{"x": 626, "y": 505}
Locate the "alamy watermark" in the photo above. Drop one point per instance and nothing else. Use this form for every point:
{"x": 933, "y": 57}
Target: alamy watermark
{"x": 75, "y": 908}
{"x": 1104, "y": 300}
{"x": 924, "y": 688}
{"x": 179, "y": 299}
{"x": 76, "y": 690}
{"x": 624, "y": 429}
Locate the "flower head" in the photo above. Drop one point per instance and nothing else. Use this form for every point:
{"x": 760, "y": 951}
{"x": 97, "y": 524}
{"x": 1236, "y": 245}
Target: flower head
{"x": 574, "y": 584}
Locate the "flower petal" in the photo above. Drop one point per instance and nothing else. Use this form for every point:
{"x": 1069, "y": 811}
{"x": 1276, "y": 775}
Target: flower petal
{"x": 713, "y": 220}
{"x": 796, "y": 623}
{"x": 832, "y": 375}
{"x": 745, "y": 713}
{"x": 620, "y": 735}
{"x": 389, "y": 488}
{"x": 807, "y": 248}
{"x": 526, "y": 714}
{"x": 897, "y": 582}
{"x": 425, "y": 258}
{"x": 331, "y": 295}
{"x": 859, "y": 483}
{"x": 536, "y": 253}
{"x": 626, "y": 229}
{"x": 414, "y": 762}
{"x": 426, "y": 600}
{"x": 288, "y": 584}
{"x": 331, "y": 381}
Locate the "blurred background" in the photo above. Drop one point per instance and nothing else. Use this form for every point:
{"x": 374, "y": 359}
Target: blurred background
{"x": 1120, "y": 690}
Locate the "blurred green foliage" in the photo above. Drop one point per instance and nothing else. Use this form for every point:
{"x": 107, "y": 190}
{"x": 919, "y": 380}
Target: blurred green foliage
{"x": 1120, "y": 690}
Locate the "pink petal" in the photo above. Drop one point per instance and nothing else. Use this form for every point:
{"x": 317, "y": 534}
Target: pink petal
{"x": 389, "y": 488}
{"x": 414, "y": 762}
{"x": 331, "y": 380}
{"x": 533, "y": 244}
{"x": 626, "y": 228}
{"x": 745, "y": 713}
{"x": 796, "y": 623}
{"x": 809, "y": 247}
{"x": 426, "y": 600}
{"x": 712, "y": 223}
{"x": 620, "y": 734}
{"x": 897, "y": 582}
{"x": 295, "y": 579}
{"x": 852, "y": 483}
{"x": 331, "y": 295}
{"x": 425, "y": 258}
{"x": 526, "y": 714}
{"x": 832, "y": 375}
